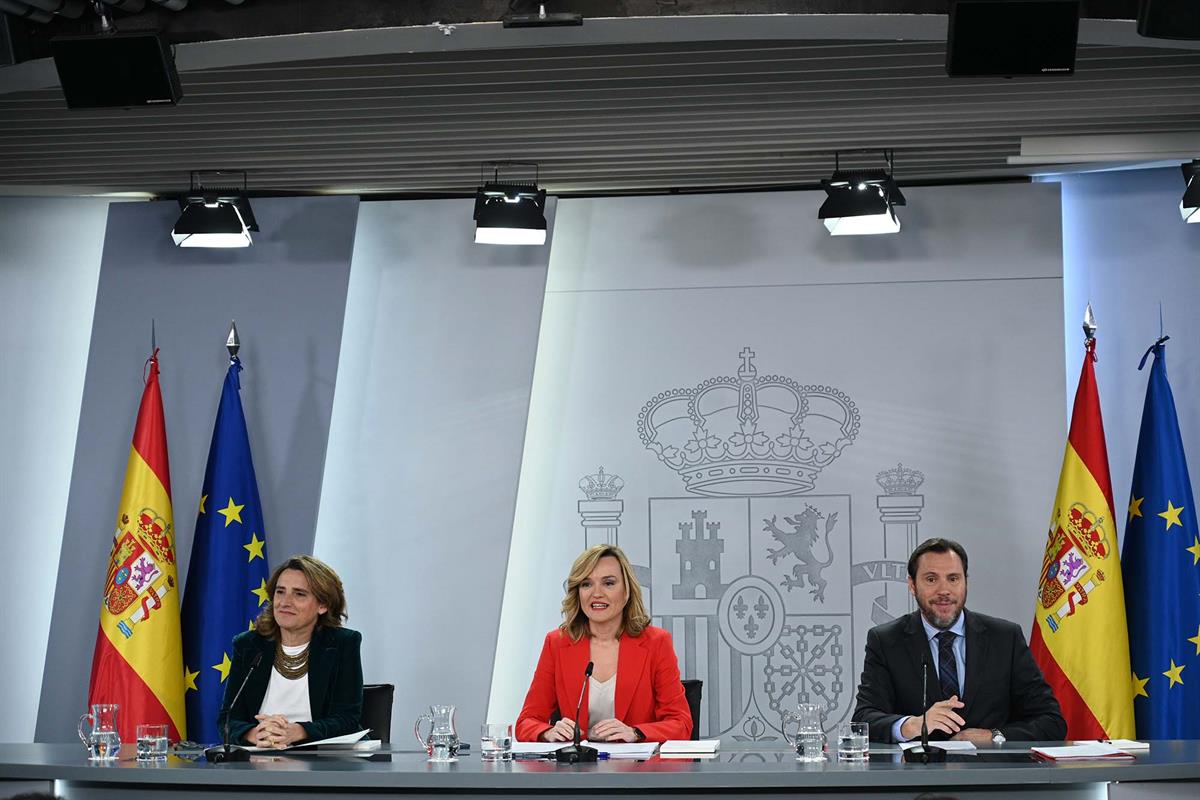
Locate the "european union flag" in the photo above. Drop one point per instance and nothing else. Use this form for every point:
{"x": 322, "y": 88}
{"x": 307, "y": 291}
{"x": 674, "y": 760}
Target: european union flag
{"x": 227, "y": 577}
{"x": 1161, "y": 565}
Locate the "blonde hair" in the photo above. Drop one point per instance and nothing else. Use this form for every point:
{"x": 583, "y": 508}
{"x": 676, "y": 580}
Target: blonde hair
{"x": 326, "y": 587}
{"x": 634, "y": 618}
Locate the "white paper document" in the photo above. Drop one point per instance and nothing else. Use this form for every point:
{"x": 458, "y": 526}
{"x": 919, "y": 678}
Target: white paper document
{"x": 1082, "y": 752}
{"x": 349, "y": 741}
{"x": 637, "y": 750}
{"x": 1128, "y": 745}
{"x": 948, "y": 746}
{"x": 689, "y": 747}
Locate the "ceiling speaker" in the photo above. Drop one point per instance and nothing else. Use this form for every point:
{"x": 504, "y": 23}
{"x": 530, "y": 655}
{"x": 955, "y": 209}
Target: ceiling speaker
{"x": 1169, "y": 19}
{"x": 1012, "y": 37}
{"x": 116, "y": 70}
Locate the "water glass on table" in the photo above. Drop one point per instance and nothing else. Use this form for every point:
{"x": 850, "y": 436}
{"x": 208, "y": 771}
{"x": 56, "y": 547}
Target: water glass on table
{"x": 853, "y": 742}
{"x": 496, "y": 742}
{"x": 151, "y": 742}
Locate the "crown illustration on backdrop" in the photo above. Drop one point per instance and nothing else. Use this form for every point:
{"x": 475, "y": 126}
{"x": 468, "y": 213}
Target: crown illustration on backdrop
{"x": 602, "y": 485}
{"x": 900, "y": 481}
{"x": 749, "y": 435}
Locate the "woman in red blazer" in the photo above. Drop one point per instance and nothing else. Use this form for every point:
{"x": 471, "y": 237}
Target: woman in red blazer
{"x": 605, "y": 623}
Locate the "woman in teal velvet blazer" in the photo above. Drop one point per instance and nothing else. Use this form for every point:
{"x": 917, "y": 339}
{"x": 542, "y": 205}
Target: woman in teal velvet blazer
{"x": 305, "y": 670}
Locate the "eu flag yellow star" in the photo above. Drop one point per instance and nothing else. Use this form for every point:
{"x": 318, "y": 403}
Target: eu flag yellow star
{"x": 1196, "y": 640}
{"x": 255, "y": 547}
{"x": 1135, "y": 507}
{"x": 1171, "y": 515}
{"x": 1195, "y": 551}
{"x": 203, "y": 499}
{"x": 189, "y": 680}
{"x": 1139, "y": 686}
{"x": 1175, "y": 673}
{"x": 224, "y": 666}
{"x": 261, "y": 591}
{"x": 231, "y": 512}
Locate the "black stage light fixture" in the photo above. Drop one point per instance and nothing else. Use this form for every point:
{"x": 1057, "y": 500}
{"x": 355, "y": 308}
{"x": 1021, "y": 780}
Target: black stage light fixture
{"x": 525, "y": 15}
{"x": 1189, "y": 205}
{"x": 861, "y": 202}
{"x": 509, "y": 211}
{"x": 214, "y": 213}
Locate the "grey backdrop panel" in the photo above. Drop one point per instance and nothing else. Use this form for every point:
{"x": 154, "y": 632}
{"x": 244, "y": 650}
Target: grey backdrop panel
{"x": 425, "y": 448}
{"x": 288, "y": 294}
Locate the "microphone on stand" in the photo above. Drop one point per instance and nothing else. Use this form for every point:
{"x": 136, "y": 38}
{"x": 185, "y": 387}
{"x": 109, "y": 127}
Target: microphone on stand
{"x": 578, "y": 753}
{"x": 925, "y": 754}
{"x": 223, "y": 753}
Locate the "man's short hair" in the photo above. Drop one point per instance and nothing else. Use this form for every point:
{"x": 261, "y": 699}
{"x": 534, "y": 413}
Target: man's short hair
{"x": 936, "y": 546}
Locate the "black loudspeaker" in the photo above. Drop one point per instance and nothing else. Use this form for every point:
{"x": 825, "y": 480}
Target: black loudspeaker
{"x": 116, "y": 70}
{"x": 1012, "y": 37}
{"x": 1169, "y": 19}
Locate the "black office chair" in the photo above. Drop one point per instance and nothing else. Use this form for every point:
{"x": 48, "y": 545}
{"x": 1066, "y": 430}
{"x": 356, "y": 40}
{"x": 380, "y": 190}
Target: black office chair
{"x": 693, "y": 688}
{"x": 377, "y": 710}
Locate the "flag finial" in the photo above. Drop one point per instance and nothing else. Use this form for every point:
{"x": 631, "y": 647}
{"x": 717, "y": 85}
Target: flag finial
{"x": 1089, "y": 323}
{"x": 232, "y": 342}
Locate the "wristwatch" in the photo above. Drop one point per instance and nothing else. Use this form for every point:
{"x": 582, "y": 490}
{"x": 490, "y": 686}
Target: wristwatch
{"x": 998, "y": 738}
{"x": 638, "y": 735}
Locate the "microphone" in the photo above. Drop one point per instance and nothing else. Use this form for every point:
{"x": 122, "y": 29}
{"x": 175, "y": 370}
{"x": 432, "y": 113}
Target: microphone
{"x": 223, "y": 754}
{"x": 577, "y": 753}
{"x": 924, "y": 754}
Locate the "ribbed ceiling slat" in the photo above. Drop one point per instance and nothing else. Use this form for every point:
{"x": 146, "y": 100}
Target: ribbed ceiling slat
{"x": 600, "y": 118}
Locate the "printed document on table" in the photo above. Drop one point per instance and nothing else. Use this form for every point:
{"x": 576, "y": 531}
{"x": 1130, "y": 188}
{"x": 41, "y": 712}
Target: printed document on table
{"x": 348, "y": 742}
{"x": 688, "y": 747}
{"x": 1082, "y": 752}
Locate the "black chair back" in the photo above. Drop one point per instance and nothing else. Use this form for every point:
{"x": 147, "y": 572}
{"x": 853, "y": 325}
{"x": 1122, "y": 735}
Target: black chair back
{"x": 377, "y": 710}
{"x": 693, "y": 689}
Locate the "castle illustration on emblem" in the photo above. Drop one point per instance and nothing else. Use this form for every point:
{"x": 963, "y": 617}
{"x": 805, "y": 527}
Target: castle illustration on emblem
{"x": 751, "y": 570}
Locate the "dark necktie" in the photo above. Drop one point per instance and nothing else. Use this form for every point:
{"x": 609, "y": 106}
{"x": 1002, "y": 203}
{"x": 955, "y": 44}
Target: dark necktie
{"x": 947, "y": 666}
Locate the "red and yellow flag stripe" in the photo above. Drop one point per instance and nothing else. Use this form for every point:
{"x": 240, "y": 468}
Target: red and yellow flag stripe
{"x": 138, "y": 660}
{"x": 1079, "y": 636}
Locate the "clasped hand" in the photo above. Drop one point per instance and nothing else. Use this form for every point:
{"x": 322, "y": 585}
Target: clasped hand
{"x": 274, "y": 731}
{"x": 943, "y": 716}
{"x": 606, "y": 730}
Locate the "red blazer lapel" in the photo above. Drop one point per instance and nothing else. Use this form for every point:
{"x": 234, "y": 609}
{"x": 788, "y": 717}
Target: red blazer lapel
{"x": 631, "y": 663}
{"x": 575, "y": 659}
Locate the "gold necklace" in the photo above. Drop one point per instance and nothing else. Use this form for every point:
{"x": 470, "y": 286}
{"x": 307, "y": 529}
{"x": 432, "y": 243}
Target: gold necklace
{"x": 290, "y": 667}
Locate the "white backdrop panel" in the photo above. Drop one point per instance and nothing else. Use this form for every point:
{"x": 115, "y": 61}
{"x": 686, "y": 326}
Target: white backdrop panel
{"x": 425, "y": 448}
{"x": 47, "y": 295}
{"x": 938, "y": 348}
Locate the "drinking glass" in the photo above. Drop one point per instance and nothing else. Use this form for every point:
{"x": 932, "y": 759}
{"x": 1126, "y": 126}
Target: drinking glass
{"x": 151, "y": 742}
{"x": 853, "y": 744}
{"x": 496, "y": 742}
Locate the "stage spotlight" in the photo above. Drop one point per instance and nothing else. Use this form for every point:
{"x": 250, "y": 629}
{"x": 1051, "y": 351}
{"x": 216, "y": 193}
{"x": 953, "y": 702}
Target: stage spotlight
{"x": 510, "y": 211}
{"x": 215, "y": 215}
{"x": 861, "y": 202}
{"x": 1189, "y": 206}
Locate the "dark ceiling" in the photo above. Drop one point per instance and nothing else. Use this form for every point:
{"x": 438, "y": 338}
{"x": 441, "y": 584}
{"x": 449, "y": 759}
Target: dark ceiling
{"x": 618, "y": 105}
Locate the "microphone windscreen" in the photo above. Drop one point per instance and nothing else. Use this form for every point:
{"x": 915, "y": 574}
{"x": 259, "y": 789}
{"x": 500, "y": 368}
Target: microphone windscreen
{"x": 587, "y": 673}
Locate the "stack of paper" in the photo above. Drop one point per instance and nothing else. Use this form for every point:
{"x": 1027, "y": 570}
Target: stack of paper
{"x": 351, "y": 741}
{"x": 688, "y": 748}
{"x": 1128, "y": 745}
{"x": 1082, "y": 752}
{"x": 633, "y": 750}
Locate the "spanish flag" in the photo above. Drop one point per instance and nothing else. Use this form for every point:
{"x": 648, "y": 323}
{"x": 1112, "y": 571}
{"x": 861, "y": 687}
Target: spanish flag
{"x": 138, "y": 660}
{"x": 1079, "y": 636}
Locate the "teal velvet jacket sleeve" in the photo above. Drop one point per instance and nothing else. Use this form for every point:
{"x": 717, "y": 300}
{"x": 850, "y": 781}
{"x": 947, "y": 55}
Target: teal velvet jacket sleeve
{"x": 241, "y": 717}
{"x": 335, "y": 684}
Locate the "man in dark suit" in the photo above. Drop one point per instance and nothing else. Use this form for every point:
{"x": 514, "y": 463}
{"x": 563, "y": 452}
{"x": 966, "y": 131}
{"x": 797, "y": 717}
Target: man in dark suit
{"x": 980, "y": 676}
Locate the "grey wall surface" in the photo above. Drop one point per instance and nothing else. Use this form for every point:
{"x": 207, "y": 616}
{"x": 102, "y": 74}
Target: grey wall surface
{"x": 748, "y": 377}
{"x": 47, "y": 293}
{"x": 425, "y": 448}
{"x": 1127, "y": 251}
{"x": 287, "y": 293}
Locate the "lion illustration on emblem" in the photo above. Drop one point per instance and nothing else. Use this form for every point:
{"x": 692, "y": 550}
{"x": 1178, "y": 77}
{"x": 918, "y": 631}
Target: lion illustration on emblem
{"x": 799, "y": 542}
